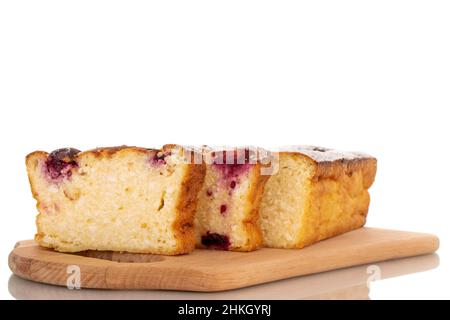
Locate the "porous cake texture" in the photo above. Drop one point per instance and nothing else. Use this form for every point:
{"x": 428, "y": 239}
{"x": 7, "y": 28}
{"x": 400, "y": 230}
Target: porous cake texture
{"x": 315, "y": 194}
{"x": 169, "y": 200}
{"x": 228, "y": 205}
{"x": 122, "y": 199}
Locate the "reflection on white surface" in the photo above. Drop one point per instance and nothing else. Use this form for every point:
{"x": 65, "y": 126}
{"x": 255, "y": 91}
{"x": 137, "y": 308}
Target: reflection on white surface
{"x": 349, "y": 283}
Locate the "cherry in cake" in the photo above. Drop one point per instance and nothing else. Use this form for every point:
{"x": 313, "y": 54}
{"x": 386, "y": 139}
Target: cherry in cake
{"x": 60, "y": 163}
{"x": 215, "y": 241}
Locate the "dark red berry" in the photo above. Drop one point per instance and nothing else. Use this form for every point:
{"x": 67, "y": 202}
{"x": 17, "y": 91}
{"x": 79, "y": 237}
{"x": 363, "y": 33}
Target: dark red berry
{"x": 216, "y": 241}
{"x": 160, "y": 158}
{"x": 233, "y": 184}
{"x": 209, "y": 192}
{"x": 60, "y": 163}
{"x": 223, "y": 208}
{"x": 64, "y": 154}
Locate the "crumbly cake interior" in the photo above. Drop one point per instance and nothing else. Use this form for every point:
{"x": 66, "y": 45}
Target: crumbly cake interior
{"x": 122, "y": 202}
{"x": 284, "y": 200}
{"x": 221, "y": 208}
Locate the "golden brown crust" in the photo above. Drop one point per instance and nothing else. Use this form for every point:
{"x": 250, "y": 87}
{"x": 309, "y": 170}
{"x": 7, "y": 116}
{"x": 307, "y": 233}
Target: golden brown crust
{"x": 106, "y": 152}
{"x": 336, "y": 169}
{"x": 97, "y": 152}
{"x": 254, "y": 201}
{"x": 34, "y": 155}
{"x": 31, "y": 161}
{"x": 339, "y": 198}
{"x": 342, "y": 166}
{"x": 184, "y": 224}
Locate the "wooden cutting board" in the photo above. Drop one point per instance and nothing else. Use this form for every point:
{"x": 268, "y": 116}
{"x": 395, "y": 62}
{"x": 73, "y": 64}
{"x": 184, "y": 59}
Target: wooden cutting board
{"x": 207, "y": 270}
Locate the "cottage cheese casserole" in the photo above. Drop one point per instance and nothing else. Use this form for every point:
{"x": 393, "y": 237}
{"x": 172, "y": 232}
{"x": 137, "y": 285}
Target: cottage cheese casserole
{"x": 122, "y": 199}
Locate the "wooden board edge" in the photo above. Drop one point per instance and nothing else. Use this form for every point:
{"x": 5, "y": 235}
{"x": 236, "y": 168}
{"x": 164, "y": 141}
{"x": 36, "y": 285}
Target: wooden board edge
{"x": 200, "y": 281}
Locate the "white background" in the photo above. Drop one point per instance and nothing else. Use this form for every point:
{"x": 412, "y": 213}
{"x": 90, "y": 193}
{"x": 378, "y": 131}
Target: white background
{"x": 372, "y": 76}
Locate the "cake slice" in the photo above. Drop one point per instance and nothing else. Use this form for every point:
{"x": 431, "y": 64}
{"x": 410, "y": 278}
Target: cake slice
{"x": 121, "y": 199}
{"x": 315, "y": 194}
{"x": 227, "y": 214}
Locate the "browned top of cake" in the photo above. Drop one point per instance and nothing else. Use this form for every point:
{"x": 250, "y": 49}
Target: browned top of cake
{"x": 320, "y": 154}
{"x": 332, "y": 164}
{"x": 109, "y": 151}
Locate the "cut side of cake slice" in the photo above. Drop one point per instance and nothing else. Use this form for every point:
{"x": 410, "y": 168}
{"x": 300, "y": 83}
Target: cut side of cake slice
{"x": 121, "y": 199}
{"x": 228, "y": 205}
{"x": 315, "y": 194}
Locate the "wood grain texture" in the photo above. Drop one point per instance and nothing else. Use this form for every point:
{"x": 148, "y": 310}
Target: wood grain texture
{"x": 206, "y": 270}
